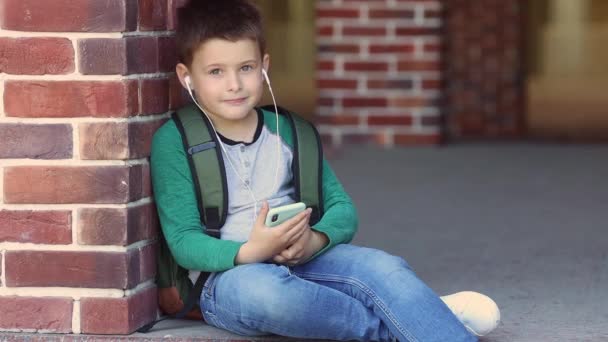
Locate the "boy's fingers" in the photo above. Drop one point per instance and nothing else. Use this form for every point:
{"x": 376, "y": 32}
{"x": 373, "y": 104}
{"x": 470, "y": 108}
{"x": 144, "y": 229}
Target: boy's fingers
{"x": 293, "y": 222}
{"x": 279, "y": 259}
{"x": 297, "y": 232}
{"x": 293, "y": 253}
{"x": 263, "y": 212}
{"x": 287, "y": 255}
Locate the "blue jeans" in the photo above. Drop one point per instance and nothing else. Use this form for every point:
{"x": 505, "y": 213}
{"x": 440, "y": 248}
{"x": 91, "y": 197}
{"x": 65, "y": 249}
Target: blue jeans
{"x": 347, "y": 293}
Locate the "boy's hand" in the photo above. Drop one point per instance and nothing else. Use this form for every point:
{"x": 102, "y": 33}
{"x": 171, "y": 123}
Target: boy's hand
{"x": 265, "y": 242}
{"x": 307, "y": 245}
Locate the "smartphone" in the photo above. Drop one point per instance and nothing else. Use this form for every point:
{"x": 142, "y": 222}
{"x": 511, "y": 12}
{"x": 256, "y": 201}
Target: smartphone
{"x": 278, "y": 215}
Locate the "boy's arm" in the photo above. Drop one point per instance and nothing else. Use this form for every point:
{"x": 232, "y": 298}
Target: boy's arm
{"x": 339, "y": 222}
{"x": 178, "y": 208}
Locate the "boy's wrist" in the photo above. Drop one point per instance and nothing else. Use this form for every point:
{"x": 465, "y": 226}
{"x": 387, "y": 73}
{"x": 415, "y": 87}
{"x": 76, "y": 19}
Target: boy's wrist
{"x": 320, "y": 240}
{"x": 244, "y": 255}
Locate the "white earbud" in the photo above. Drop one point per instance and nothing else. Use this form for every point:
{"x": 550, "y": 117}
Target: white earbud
{"x": 265, "y": 74}
{"x": 187, "y": 81}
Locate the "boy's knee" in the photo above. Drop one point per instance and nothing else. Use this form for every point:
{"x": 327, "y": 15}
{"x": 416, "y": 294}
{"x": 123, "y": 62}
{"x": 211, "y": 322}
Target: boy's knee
{"x": 257, "y": 288}
{"x": 380, "y": 261}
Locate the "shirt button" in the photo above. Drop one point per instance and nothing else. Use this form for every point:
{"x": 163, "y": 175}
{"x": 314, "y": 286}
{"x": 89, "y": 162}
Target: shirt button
{"x": 247, "y": 182}
{"x": 247, "y": 164}
{"x": 242, "y": 148}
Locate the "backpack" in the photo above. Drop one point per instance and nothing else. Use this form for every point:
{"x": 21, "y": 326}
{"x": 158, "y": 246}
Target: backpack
{"x": 206, "y": 163}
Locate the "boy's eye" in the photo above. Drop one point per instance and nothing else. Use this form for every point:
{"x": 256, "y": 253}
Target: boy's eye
{"x": 247, "y": 68}
{"x": 215, "y": 72}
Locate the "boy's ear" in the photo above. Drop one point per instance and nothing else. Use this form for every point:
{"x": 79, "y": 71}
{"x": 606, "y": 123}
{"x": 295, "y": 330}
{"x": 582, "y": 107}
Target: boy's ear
{"x": 182, "y": 71}
{"x": 266, "y": 62}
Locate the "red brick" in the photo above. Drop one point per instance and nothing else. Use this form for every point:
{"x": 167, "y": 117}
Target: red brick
{"x": 391, "y": 48}
{"x": 102, "y": 226}
{"x": 140, "y": 137}
{"x": 418, "y": 31}
{"x": 419, "y": 66}
{"x": 431, "y": 84}
{"x": 337, "y": 119}
{"x": 325, "y": 31}
{"x": 411, "y": 102}
{"x": 64, "y": 184}
{"x": 417, "y": 139}
{"x": 432, "y": 14}
{"x": 364, "y": 102}
{"x": 122, "y": 227}
{"x": 375, "y": 120}
{"x": 146, "y": 187}
{"x": 338, "y": 48}
{"x": 147, "y": 257}
{"x": 366, "y": 66}
{"x": 138, "y": 177}
{"x": 117, "y": 140}
{"x": 337, "y": 13}
{"x": 72, "y": 269}
{"x": 390, "y": 84}
{"x": 432, "y": 47}
{"x": 67, "y": 15}
{"x": 142, "y": 55}
{"x": 154, "y": 95}
{"x": 44, "y": 56}
{"x": 336, "y": 84}
{"x": 173, "y": 6}
{"x": 42, "y": 227}
{"x": 105, "y": 140}
{"x": 40, "y": 313}
{"x": 41, "y": 141}
{"x": 102, "y": 56}
{"x": 118, "y": 315}
{"x": 70, "y": 98}
{"x": 395, "y": 14}
{"x": 152, "y": 15}
{"x": 178, "y": 96}
{"x": 363, "y": 31}
{"x": 471, "y": 123}
{"x": 326, "y": 65}
{"x": 167, "y": 54}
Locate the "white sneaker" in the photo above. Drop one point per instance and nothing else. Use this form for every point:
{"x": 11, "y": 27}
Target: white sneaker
{"x": 477, "y": 312}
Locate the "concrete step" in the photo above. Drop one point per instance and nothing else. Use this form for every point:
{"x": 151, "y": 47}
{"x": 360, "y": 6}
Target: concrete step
{"x": 168, "y": 331}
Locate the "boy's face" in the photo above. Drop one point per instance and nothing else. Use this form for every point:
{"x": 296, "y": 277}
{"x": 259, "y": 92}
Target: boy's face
{"x": 226, "y": 77}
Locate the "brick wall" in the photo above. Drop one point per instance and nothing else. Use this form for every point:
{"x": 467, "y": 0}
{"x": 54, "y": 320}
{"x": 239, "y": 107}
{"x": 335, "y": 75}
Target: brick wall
{"x": 83, "y": 86}
{"x": 484, "y": 68}
{"x": 379, "y": 69}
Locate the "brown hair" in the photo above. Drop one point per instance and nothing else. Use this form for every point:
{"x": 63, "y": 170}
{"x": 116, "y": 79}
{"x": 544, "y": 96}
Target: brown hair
{"x": 202, "y": 20}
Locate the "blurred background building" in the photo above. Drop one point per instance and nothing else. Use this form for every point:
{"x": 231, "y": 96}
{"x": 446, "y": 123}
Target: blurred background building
{"x": 424, "y": 72}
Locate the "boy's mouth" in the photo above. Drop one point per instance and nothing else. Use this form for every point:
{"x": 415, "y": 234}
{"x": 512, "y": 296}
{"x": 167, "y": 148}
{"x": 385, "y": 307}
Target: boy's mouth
{"x": 238, "y": 101}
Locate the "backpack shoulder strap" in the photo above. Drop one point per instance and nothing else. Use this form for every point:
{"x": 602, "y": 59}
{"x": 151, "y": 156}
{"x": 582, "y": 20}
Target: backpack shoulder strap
{"x": 307, "y": 166}
{"x": 206, "y": 165}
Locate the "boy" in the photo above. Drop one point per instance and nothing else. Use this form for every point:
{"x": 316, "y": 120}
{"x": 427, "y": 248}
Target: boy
{"x": 294, "y": 279}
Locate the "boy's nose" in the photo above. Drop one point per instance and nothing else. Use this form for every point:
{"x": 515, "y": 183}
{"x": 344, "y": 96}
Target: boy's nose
{"x": 234, "y": 82}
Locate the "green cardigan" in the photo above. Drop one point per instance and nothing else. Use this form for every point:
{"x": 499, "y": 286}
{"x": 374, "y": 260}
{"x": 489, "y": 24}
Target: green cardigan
{"x": 180, "y": 219}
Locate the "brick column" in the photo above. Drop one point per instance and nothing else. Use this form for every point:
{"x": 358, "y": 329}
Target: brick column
{"x": 84, "y": 85}
{"x": 379, "y": 66}
{"x": 484, "y": 68}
